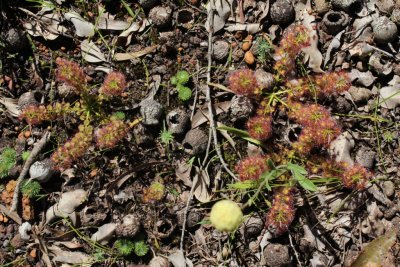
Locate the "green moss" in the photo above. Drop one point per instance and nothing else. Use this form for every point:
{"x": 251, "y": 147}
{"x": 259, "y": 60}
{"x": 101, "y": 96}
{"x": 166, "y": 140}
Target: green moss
{"x": 141, "y": 248}
{"x": 124, "y": 247}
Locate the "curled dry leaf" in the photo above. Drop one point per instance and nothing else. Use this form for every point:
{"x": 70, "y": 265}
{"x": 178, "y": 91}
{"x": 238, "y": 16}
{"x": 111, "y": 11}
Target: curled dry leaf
{"x": 182, "y": 172}
{"x": 201, "y": 116}
{"x": 178, "y": 259}
{"x": 83, "y": 28}
{"x": 223, "y": 10}
{"x": 91, "y": 53}
{"x": 104, "y": 233}
{"x": 313, "y": 55}
{"x": 71, "y": 257}
{"x": 333, "y": 46}
{"x": 125, "y": 37}
{"x": 362, "y": 78}
{"x": 11, "y": 106}
{"x": 107, "y": 22}
{"x": 202, "y": 182}
{"x": 250, "y": 28}
{"x": 390, "y": 95}
{"x": 340, "y": 148}
{"x": 44, "y": 24}
{"x": 66, "y": 206}
{"x": 133, "y": 55}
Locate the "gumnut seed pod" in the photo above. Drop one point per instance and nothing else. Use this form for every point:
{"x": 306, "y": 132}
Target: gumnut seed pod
{"x": 384, "y": 30}
{"x": 195, "y": 142}
{"x": 282, "y": 12}
{"x": 161, "y": 16}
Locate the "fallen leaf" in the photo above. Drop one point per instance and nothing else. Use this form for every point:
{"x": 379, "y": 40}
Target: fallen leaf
{"x": 83, "y": 28}
{"x": 91, "y": 53}
{"x": 66, "y": 206}
{"x": 178, "y": 259}
{"x": 333, "y": 46}
{"x": 362, "y": 78}
{"x": 182, "y": 172}
{"x": 223, "y": 10}
{"x": 202, "y": 182}
{"x": 201, "y": 116}
{"x": 107, "y": 22}
{"x": 11, "y": 105}
{"x": 71, "y": 257}
{"x": 125, "y": 37}
{"x": 227, "y": 136}
{"x": 312, "y": 55}
{"x": 44, "y": 24}
{"x": 133, "y": 55}
{"x": 104, "y": 233}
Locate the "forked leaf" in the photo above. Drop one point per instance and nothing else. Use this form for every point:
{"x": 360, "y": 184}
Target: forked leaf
{"x": 296, "y": 168}
{"x": 298, "y": 173}
{"x": 271, "y": 175}
{"x": 240, "y": 133}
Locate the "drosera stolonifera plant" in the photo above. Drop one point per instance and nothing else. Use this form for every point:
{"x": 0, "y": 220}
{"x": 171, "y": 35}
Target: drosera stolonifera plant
{"x": 96, "y": 125}
{"x": 296, "y": 97}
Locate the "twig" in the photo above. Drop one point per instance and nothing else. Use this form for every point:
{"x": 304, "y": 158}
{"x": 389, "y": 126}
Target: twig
{"x": 195, "y": 180}
{"x": 295, "y": 251}
{"x": 13, "y": 215}
{"x": 35, "y": 151}
{"x": 208, "y": 94}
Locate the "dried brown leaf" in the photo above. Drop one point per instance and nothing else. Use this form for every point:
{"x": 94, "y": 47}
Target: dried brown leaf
{"x": 201, "y": 116}
{"x": 134, "y": 55}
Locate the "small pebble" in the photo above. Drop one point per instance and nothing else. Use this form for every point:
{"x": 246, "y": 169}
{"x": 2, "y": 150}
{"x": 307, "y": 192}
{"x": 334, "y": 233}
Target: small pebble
{"x": 388, "y": 188}
{"x": 249, "y": 58}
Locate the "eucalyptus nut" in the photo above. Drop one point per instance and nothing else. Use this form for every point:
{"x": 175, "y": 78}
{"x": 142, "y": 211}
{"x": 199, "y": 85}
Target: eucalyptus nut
{"x": 334, "y": 21}
{"x": 178, "y": 121}
{"x": 282, "y": 12}
{"x": 384, "y": 30}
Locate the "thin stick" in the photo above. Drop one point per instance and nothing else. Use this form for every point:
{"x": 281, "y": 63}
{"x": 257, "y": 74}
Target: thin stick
{"x": 195, "y": 180}
{"x": 13, "y": 215}
{"x": 208, "y": 94}
{"x": 35, "y": 151}
{"x": 295, "y": 251}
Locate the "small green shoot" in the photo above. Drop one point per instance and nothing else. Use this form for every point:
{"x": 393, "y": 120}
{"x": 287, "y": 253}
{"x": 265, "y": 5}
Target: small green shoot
{"x": 25, "y": 155}
{"x": 7, "y": 161}
{"x": 166, "y": 137}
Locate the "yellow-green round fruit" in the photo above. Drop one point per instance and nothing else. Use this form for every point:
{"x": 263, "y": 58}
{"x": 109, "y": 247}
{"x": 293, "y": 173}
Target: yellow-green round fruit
{"x": 226, "y": 215}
